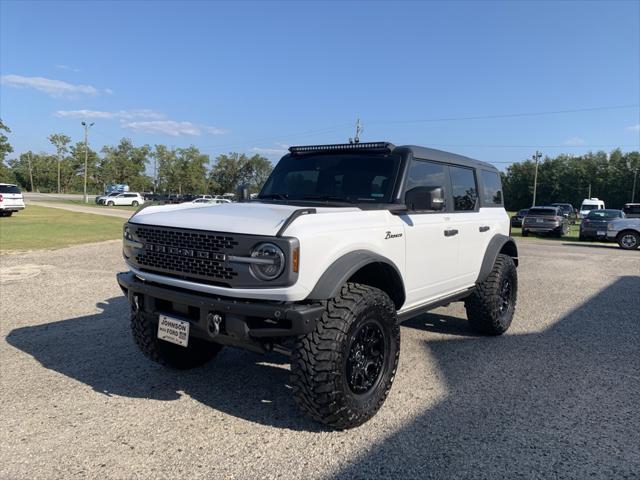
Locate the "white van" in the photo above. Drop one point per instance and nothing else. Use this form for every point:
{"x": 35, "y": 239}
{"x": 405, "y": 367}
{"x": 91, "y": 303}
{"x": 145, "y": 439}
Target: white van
{"x": 589, "y": 204}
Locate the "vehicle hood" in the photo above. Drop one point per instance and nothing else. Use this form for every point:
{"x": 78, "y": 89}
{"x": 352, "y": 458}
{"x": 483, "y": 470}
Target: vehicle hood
{"x": 248, "y": 218}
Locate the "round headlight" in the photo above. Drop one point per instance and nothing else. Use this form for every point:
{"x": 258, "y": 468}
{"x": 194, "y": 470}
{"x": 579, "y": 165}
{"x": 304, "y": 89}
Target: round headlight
{"x": 273, "y": 261}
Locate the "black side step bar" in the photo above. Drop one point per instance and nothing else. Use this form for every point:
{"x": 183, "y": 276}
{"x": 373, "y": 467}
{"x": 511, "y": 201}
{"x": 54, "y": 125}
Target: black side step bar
{"x": 295, "y": 214}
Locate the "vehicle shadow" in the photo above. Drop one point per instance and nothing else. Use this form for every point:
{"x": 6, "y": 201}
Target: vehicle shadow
{"x": 561, "y": 403}
{"x": 440, "y": 323}
{"x": 98, "y": 350}
{"x": 612, "y": 246}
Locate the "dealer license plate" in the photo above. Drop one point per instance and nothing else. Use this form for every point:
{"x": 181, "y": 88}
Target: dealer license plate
{"x": 601, "y": 233}
{"x": 173, "y": 330}
{"x": 539, "y": 220}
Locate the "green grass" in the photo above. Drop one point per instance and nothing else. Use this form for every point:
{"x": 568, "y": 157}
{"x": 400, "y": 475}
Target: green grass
{"x": 42, "y": 228}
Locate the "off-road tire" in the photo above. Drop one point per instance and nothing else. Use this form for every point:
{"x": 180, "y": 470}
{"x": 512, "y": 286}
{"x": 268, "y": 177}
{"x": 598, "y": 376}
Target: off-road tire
{"x": 144, "y": 328}
{"x": 627, "y": 246}
{"x": 486, "y": 309}
{"x": 319, "y": 360}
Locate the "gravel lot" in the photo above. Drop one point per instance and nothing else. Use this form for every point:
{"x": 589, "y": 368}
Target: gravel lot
{"x": 557, "y": 397}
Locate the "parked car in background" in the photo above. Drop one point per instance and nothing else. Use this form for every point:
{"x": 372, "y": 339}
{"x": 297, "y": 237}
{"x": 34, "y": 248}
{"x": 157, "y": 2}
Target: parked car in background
{"x": 99, "y": 199}
{"x": 631, "y": 210}
{"x": 589, "y": 204}
{"x": 210, "y": 200}
{"x": 516, "y": 220}
{"x": 130, "y": 199}
{"x": 11, "y": 199}
{"x": 594, "y": 225}
{"x": 548, "y": 220}
{"x": 568, "y": 211}
{"x": 625, "y": 231}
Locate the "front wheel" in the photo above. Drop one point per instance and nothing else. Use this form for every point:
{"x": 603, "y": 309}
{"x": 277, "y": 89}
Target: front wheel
{"x": 490, "y": 308}
{"x": 342, "y": 371}
{"x": 629, "y": 240}
{"x": 109, "y": 204}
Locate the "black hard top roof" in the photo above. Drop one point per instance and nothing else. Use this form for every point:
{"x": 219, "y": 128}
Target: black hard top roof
{"x": 417, "y": 151}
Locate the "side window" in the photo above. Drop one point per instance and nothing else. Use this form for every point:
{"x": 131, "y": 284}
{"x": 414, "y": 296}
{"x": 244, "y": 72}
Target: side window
{"x": 425, "y": 174}
{"x": 465, "y": 192}
{"x": 491, "y": 188}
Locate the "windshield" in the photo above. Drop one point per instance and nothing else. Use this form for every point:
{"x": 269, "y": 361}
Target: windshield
{"x": 589, "y": 207}
{"x": 533, "y": 212}
{"x": 600, "y": 214}
{"x": 347, "y": 178}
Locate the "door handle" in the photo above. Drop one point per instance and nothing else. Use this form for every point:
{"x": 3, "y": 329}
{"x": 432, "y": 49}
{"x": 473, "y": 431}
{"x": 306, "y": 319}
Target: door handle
{"x": 450, "y": 232}
{"x": 484, "y": 228}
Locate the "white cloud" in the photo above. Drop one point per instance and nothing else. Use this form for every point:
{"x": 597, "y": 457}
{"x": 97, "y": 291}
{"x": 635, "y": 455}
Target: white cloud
{"x": 108, "y": 91}
{"x": 280, "y": 149}
{"x": 67, "y": 67}
{"x": 144, "y": 114}
{"x": 574, "y": 141}
{"x": 55, "y": 88}
{"x": 172, "y": 128}
{"x": 634, "y": 128}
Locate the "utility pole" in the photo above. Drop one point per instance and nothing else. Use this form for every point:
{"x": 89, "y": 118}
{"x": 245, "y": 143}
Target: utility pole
{"x": 633, "y": 192}
{"x": 589, "y": 195}
{"x": 30, "y": 171}
{"x": 59, "y": 160}
{"x": 86, "y": 157}
{"x": 536, "y": 157}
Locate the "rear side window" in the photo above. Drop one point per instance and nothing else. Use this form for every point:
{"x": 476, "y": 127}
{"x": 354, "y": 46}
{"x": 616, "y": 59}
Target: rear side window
{"x": 426, "y": 174}
{"x": 9, "y": 189}
{"x": 465, "y": 191}
{"x": 491, "y": 188}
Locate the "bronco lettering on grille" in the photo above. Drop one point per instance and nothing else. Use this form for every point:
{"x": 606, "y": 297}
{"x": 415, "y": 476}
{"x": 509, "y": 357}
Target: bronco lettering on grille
{"x": 185, "y": 252}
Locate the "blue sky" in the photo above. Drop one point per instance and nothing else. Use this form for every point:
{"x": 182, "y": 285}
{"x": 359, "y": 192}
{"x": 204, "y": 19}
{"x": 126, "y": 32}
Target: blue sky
{"x": 256, "y": 77}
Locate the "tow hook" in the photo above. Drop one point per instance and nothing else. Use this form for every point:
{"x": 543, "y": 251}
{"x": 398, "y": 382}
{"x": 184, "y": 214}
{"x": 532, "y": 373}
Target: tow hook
{"x": 135, "y": 305}
{"x": 213, "y": 325}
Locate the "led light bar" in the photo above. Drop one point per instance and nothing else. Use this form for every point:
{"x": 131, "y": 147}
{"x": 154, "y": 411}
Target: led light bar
{"x": 385, "y": 146}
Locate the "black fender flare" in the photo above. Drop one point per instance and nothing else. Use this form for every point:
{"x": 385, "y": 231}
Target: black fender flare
{"x": 496, "y": 245}
{"x": 341, "y": 270}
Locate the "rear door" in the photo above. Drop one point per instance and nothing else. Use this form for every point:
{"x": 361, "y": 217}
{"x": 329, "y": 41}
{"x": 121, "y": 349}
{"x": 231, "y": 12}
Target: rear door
{"x": 466, "y": 216}
{"x": 432, "y": 243}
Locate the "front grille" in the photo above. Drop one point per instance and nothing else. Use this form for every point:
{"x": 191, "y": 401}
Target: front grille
{"x": 186, "y": 252}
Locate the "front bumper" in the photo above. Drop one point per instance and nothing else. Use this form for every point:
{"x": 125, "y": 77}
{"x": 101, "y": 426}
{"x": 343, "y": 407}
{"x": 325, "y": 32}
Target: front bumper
{"x": 248, "y": 324}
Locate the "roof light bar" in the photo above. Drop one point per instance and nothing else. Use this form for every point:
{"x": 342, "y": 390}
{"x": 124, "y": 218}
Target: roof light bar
{"x": 386, "y": 146}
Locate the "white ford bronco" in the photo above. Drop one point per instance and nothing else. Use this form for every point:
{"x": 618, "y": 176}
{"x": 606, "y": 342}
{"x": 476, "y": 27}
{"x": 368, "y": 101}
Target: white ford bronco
{"x": 342, "y": 243}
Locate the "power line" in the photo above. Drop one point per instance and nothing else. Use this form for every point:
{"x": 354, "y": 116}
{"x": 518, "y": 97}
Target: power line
{"x": 508, "y": 115}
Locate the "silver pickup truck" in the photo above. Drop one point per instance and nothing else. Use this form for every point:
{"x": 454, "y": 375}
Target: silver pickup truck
{"x": 625, "y": 231}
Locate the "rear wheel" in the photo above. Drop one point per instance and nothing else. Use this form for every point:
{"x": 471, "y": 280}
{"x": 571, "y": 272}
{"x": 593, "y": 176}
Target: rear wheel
{"x": 134, "y": 203}
{"x": 629, "y": 240}
{"x": 7, "y": 214}
{"x": 342, "y": 371}
{"x": 144, "y": 329}
{"x": 490, "y": 308}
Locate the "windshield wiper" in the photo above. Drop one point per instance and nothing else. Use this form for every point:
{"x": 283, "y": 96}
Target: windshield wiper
{"x": 329, "y": 198}
{"x": 277, "y": 196}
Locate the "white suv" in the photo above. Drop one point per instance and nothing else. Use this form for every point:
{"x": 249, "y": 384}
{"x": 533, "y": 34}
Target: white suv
{"x": 11, "y": 199}
{"x": 343, "y": 243}
{"x": 127, "y": 198}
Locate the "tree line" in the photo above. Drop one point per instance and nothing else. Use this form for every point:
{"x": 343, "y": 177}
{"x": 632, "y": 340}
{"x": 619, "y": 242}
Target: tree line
{"x": 175, "y": 170}
{"x": 571, "y": 179}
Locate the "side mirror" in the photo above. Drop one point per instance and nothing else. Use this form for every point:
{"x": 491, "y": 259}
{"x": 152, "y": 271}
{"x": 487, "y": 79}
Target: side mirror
{"x": 425, "y": 198}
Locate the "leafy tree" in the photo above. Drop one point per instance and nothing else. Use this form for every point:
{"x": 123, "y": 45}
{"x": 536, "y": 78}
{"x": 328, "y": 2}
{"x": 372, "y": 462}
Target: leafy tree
{"x": 125, "y": 163}
{"x": 234, "y": 169}
{"x": 60, "y": 141}
{"x": 6, "y": 175}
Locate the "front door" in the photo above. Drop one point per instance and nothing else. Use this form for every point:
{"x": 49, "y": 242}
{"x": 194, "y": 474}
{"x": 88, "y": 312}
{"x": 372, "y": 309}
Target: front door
{"x": 432, "y": 239}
